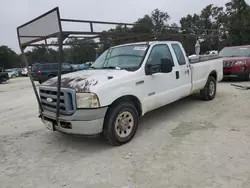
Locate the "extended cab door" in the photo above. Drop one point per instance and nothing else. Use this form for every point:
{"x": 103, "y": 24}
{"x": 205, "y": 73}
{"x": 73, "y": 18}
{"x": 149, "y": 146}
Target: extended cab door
{"x": 184, "y": 78}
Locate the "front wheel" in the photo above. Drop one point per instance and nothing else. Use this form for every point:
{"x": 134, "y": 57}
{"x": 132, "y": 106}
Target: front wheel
{"x": 209, "y": 91}
{"x": 247, "y": 77}
{"x": 121, "y": 123}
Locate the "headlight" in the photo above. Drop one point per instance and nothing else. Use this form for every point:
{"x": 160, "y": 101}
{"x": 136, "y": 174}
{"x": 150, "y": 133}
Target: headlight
{"x": 87, "y": 100}
{"x": 240, "y": 62}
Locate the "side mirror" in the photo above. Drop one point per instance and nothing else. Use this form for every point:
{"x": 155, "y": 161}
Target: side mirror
{"x": 166, "y": 65}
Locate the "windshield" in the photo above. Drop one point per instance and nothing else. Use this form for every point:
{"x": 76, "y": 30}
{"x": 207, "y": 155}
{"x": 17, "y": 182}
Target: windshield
{"x": 125, "y": 57}
{"x": 235, "y": 52}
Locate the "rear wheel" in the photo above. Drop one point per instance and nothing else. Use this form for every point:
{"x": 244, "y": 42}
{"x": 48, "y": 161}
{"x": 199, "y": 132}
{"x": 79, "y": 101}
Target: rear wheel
{"x": 209, "y": 91}
{"x": 121, "y": 123}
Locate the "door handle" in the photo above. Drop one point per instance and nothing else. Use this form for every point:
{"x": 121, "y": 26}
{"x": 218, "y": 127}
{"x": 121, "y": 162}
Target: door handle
{"x": 177, "y": 74}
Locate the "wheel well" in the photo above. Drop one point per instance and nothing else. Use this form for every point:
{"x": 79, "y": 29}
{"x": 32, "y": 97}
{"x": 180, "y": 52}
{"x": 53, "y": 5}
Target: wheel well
{"x": 213, "y": 74}
{"x": 51, "y": 75}
{"x": 132, "y": 99}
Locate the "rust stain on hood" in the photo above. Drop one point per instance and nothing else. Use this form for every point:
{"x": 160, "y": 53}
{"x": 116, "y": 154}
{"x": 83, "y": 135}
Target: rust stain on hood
{"x": 84, "y": 81}
{"x": 79, "y": 84}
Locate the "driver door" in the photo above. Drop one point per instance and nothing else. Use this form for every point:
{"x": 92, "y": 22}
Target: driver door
{"x": 163, "y": 85}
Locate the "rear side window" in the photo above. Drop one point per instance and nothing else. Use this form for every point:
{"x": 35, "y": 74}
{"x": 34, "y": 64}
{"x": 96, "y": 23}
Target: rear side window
{"x": 45, "y": 67}
{"x": 179, "y": 54}
{"x": 35, "y": 68}
{"x": 54, "y": 66}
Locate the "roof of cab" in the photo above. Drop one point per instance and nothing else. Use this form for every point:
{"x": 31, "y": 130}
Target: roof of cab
{"x": 146, "y": 43}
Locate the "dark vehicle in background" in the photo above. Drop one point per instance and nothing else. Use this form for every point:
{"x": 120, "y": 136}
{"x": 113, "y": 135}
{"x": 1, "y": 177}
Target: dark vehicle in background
{"x": 44, "y": 71}
{"x": 236, "y": 62}
{"x": 3, "y": 75}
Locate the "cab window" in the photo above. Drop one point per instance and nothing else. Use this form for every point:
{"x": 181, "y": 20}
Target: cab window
{"x": 179, "y": 54}
{"x": 158, "y": 53}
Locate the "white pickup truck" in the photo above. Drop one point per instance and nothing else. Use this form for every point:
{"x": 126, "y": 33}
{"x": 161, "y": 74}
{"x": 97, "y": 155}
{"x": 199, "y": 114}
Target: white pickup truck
{"x": 123, "y": 84}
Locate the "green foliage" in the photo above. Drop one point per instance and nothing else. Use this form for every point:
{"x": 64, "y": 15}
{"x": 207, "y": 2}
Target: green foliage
{"x": 80, "y": 51}
{"x": 8, "y": 58}
{"x": 231, "y": 26}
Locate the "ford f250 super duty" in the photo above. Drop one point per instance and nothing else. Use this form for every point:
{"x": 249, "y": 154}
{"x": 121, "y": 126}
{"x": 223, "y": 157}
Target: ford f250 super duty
{"x": 123, "y": 84}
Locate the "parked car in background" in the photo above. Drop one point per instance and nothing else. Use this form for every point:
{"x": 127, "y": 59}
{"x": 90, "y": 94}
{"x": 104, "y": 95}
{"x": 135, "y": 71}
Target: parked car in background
{"x": 44, "y": 71}
{"x": 18, "y": 70}
{"x": 24, "y": 71}
{"x": 3, "y": 75}
{"x": 84, "y": 66}
{"x": 76, "y": 67}
{"x": 12, "y": 73}
{"x": 211, "y": 52}
{"x": 236, "y": 62}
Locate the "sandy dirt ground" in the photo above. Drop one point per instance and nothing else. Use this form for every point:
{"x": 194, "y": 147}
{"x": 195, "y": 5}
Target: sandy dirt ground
{"x": 187, "y": 144}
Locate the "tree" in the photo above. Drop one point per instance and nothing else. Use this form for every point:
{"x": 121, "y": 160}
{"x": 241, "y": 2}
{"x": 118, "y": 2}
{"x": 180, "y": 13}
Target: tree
{"x": 160, "y": 20}
{"x": 228, "y": 26}
{"x": 8, "y": 58}
{"x": 238, "y": 22}
{"x": 42, "y": 54}
{"x": 80, "y": 51}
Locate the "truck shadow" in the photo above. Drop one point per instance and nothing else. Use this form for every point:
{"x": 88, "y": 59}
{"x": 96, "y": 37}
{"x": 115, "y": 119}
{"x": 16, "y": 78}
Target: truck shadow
{"x": 149, "y": 121}
{"x": 89, "y": 144}
{"x": 168, "y": 112}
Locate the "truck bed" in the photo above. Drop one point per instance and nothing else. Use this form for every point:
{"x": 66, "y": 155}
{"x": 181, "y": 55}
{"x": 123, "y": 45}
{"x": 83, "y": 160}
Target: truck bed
{"x": 202, "y": 66}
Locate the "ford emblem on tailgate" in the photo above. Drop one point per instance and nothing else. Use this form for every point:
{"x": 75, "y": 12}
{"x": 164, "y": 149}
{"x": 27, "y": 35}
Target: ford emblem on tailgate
{"x": 49, "y": 100}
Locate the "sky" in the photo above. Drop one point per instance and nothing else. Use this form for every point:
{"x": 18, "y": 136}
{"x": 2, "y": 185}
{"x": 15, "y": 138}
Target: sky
{"x": 14, "y": 13}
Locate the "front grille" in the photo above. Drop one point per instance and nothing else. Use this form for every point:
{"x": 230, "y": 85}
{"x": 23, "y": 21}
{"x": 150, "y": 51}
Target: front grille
{"x": 228, "y": 64}
{"x": 48, "y": 96}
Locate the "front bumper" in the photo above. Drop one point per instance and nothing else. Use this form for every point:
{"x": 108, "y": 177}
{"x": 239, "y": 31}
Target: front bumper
{"x": 234, "y": 75}
{"x": 236, "y": 71}
{"x": 82, "y": 122}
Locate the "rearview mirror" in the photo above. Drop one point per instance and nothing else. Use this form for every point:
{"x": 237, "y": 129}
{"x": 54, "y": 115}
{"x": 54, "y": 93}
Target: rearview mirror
{"x": 166, "y": 65}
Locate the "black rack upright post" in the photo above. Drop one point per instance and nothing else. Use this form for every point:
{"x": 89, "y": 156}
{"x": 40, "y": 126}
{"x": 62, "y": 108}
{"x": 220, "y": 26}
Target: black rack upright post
{"x": 31, "y": 79}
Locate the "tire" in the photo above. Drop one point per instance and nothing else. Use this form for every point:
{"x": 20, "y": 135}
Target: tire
{"x": 120, "y": 124}
{"x": 40, "y": 82}
{"x": 51, "y": 76}
{"x": 247, "y": 77}
{"x": 209, "y": 91}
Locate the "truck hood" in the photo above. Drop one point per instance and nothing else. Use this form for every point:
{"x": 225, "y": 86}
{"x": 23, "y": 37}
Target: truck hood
{"x": 235, "y": 58}
{"x": 86, "y": 80}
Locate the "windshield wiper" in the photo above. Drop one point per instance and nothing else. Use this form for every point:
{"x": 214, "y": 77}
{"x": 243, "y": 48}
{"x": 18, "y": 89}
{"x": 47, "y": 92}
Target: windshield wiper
{"x": 112, "y": 67}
